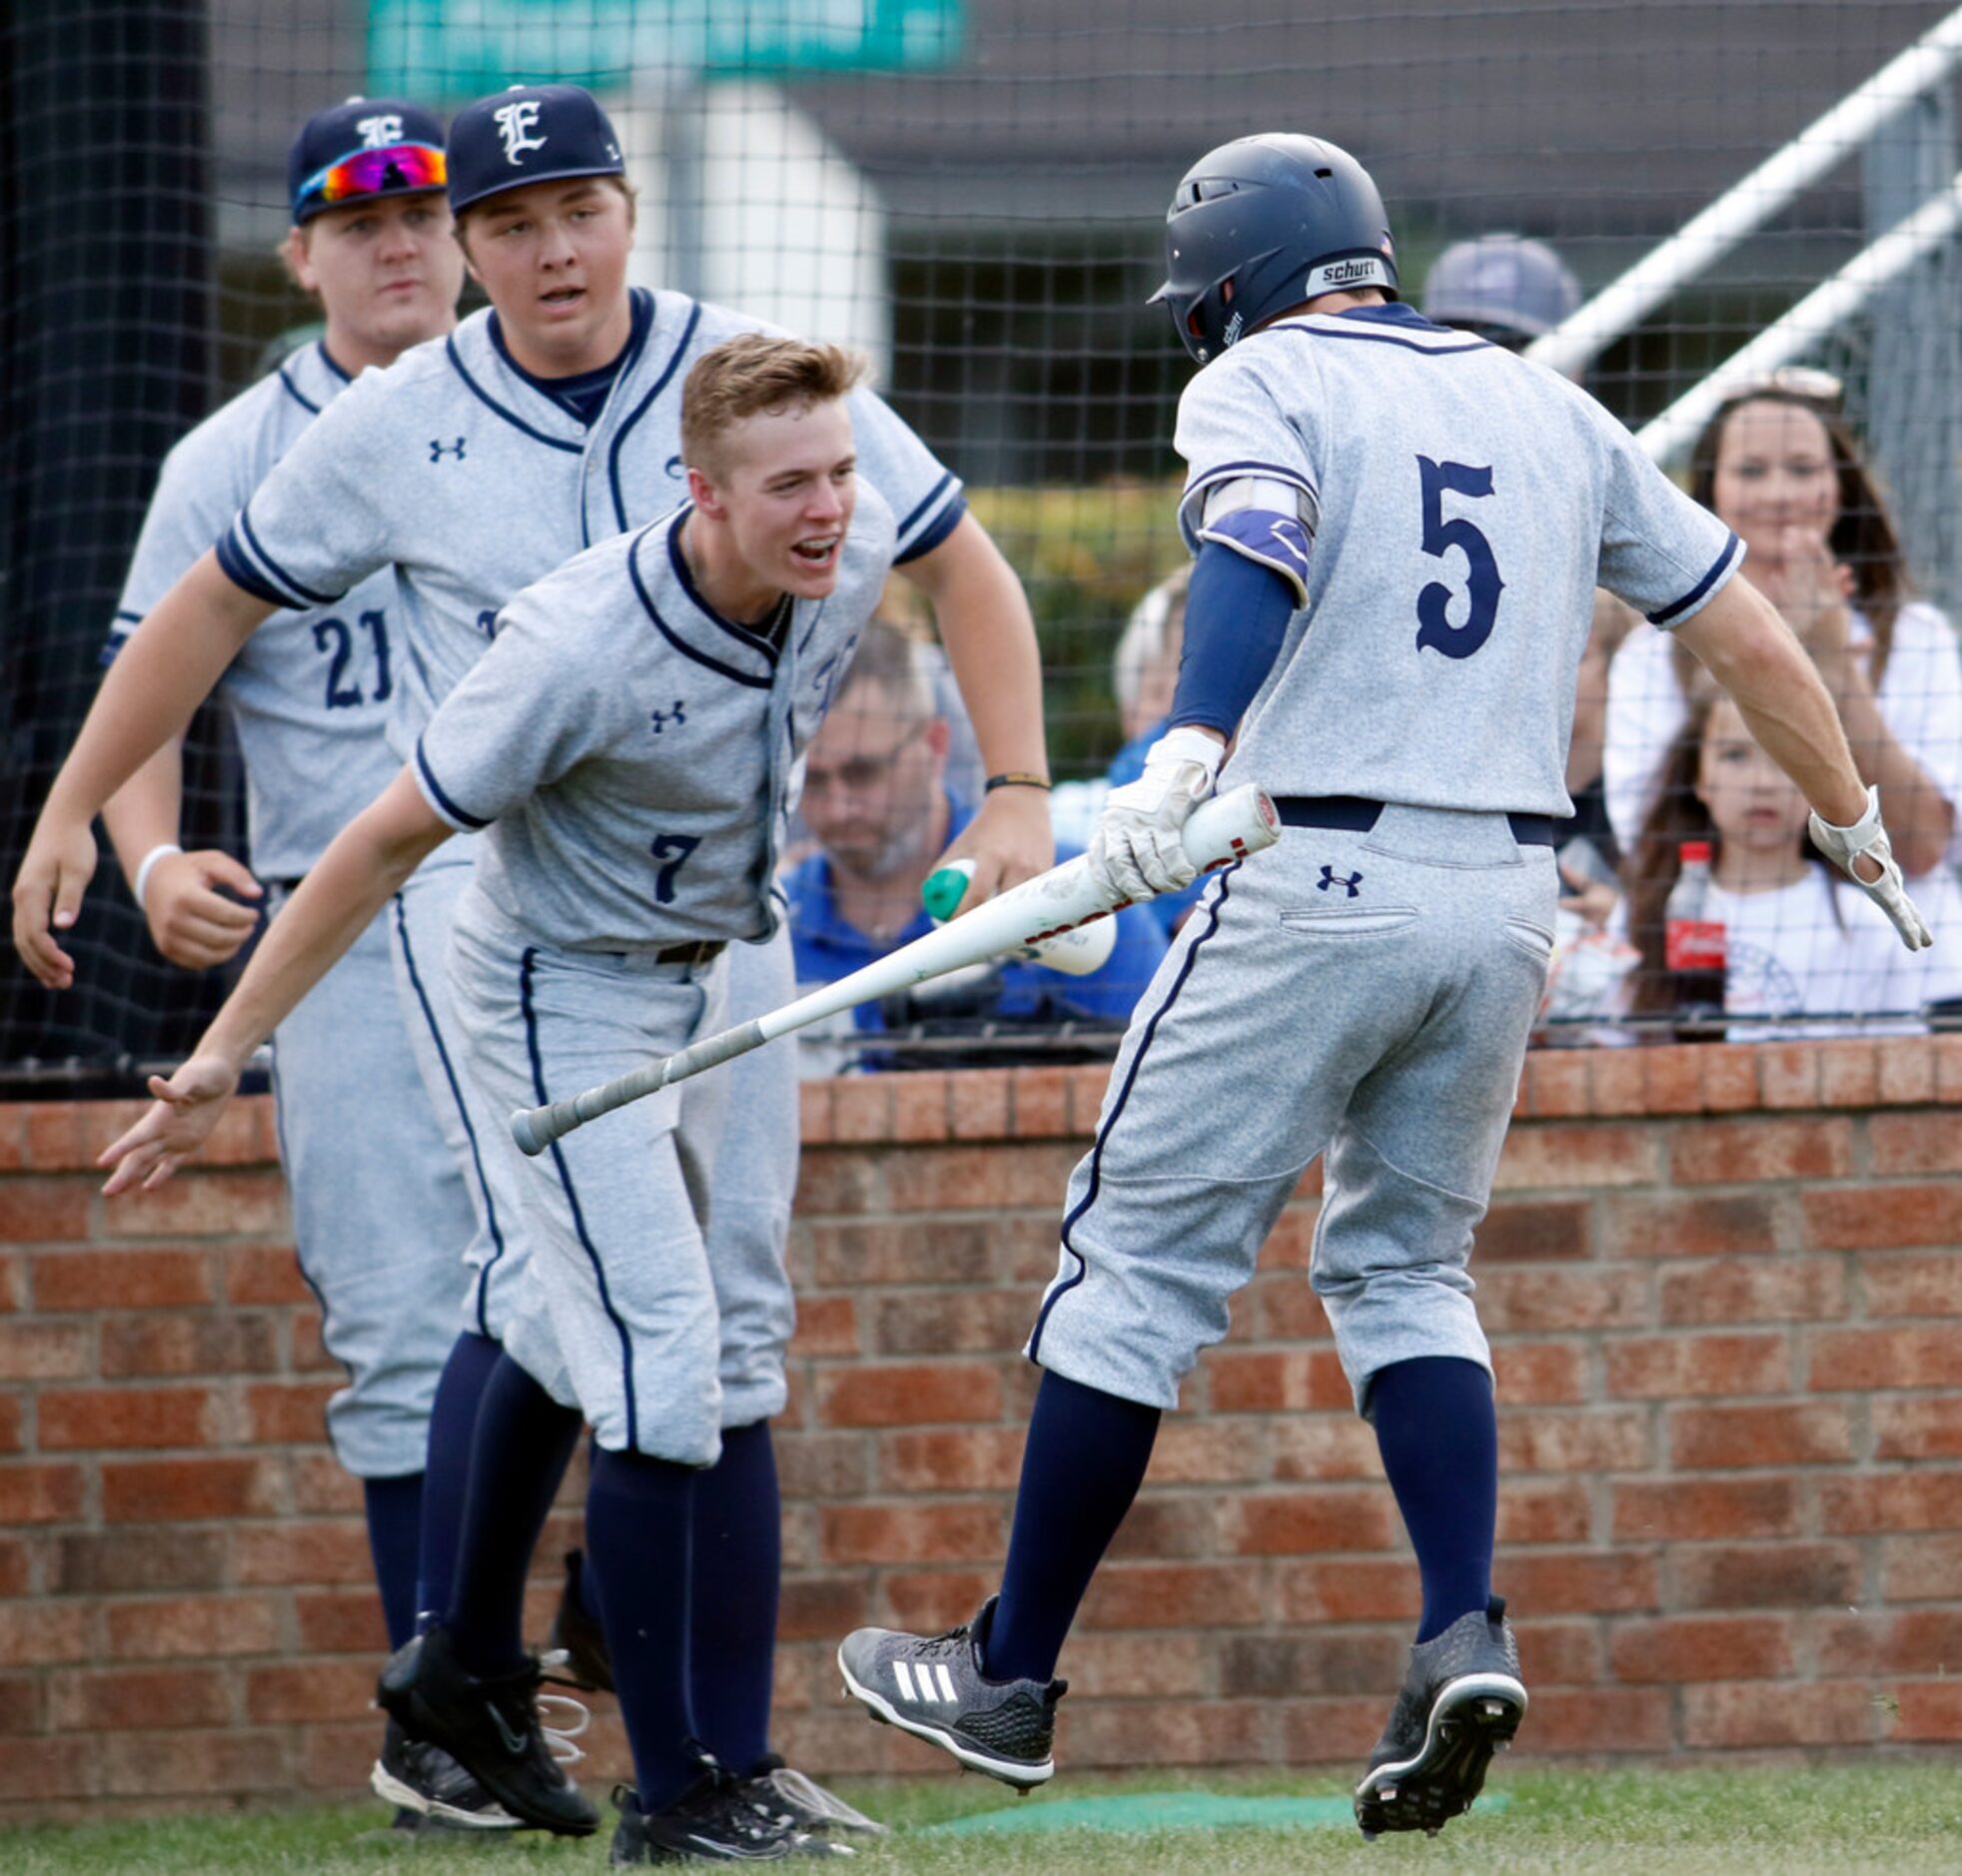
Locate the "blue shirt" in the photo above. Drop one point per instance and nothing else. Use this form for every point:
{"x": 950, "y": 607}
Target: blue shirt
{"x": 828, "y": 948}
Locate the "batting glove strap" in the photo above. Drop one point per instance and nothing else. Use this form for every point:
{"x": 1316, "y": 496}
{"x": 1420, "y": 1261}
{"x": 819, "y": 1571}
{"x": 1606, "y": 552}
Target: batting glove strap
{"x": 1138, "y": 850}
{"x": 1867, "y": 838}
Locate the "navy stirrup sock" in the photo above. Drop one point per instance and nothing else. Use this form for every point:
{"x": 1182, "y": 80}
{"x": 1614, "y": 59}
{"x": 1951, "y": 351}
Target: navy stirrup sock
{"x": 394, "y": 1519}
{"x": 1082, "y": 1466}
{"x": 1438, "y": 1430}
{"x": 524, "y": 1442}
{"x": 739, "y": 1522}
{"x": 453, "y": 1423}
{"x": 639, "y": 1518}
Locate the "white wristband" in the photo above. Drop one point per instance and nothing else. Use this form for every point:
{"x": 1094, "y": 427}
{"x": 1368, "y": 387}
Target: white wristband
{"x": 150, "y": 859}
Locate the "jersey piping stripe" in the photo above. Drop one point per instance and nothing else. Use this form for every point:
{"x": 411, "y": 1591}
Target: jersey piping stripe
{"x": 236, "y": 564}
{"x": 671, "y": 636}
{"x": 483, "y": 1281}
{"x": 1379, "y": 338}
{"x": 510, "y": 417}
{"x": 640, "y": 409}
{"x": 573, "y": 1199}
{"x": 277, "y": 570}
{"x": 932, "y": 496}
{"x": 742, "y": 634}
{"x": 1089, "y": 1198}
{"x": 439, "y": 796}
{"x": 296, "y": 394}
{"x": 1702, "y": 586}
{"x": 934, "y": 532}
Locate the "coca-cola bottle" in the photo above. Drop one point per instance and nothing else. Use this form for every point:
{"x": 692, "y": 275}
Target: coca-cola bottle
{"x": 1692, "y": 947}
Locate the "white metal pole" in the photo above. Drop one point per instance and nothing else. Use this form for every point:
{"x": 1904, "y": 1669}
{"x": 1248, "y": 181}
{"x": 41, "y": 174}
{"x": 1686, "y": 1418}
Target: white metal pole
{"x": 1747, "y": 205}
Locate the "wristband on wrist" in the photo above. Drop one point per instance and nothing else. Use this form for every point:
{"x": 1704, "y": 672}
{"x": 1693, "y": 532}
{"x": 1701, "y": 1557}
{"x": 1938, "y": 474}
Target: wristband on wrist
{"x": 160, "y": 851}
{"x": 1015, "y": 778}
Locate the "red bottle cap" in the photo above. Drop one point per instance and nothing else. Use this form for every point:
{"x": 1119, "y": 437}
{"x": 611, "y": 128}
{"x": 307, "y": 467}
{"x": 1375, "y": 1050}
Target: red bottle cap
{"x": 1694, "y": 850}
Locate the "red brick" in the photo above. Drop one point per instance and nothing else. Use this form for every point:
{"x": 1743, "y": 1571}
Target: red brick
{"x": 23, "y": 1711}
{"x": 135, "y": 1346}
{"x": 972, "y": 1459}
{"x": 821, "y": 1609}
{"x": 1534, "y": 1231}
{"x": 925, "y": 1601}
{"x": 44, "y": 1211}
{"x": 1205, "y": 1452}
{"x": 826, "y": 1325}
{"x": 43, "y": 1630}
{"x": 337, "y": 1756}
{"x": 829, "y": 1465}
{"x": 832, "y": 1180}
{"x": 1327, "y": 1732}
{"x": 1921, "y": 1569}
{"x": 815, "y": 1113}
{"x": 1754, "y": 1290}
{"x": 1209, "y": 1733}
{"x": 1788, "y": 1074}
{"x": 1841, "y": 1359}
{"x": 201, "y": 1204}
{"x": 1667, "y": 1367}
{"x": 44, "y": 1769}
{"x": 1909, "y": 1072}
{"x": 1916, "y": 1142}
{"x": 193, "y": 1764}
{"x": 1913, "y": 1283}
{"x": 190, "y": 1627}
{"x": 948, "y": 1252}
{"x": 1557, "y": 1084}
{"x": 1705, "y": 1508}
{"x": 1729, "y": 1075}
{"x": 978, "y": 1104}
{"x": 340, "y": 1621}
{"x": 957, "y": 1532}
{"x": 1087, "y": 1085}
{"x": 964, "y": 1321}
{"x": 306, "y": 1353}
{"x": 861, "y": 1106}
{"x": 309, "y": 1690}
{"x": 1673, "y": 1079}
{"x": 1290, "y": 1244}
{"x": 1883, "y": 1218}
{"x": 920, "y": 1394}
{"x": 1618, "y": 1083}
{"x": 111, "y": 1418}
{"x": 1764, "y": 1575}
{"x": 1849, "y": 1074}
{"x": 1291, "y": 1523}
{"x": 1381, "y": 1589}
{"x": 138, "y": 1699}
{"x": 1323, "y": 1445}
{"x": 1278, "y": 1667}
{"x": 1718, "y": 1225}
{"x": 1925, "y": 1427}
{"x": 1601, "y": 1719}
{"x": 1872, "y": 1501}
{"x": 1553, "y": 1157}
{"x": 1163, "y": 1526}
{"x": 14, "y": 1568}
{"x": 301, "y": 1552}
{"x": 1561, "y": 1653}
{"x": 1732, "y": 1153}
{"x": 1928, "y": 1709}
{"x": 40, "y": 1494}
{"x": 1540, "y": 1374}
{"x": 1803, "y": 1433}
{"x": 1614, "y": 1439}
{"x": 46, "y": 1351}
{"x": 953, "y": 1179}
{"x": 1578, "y": 1583}
{"x": 102, "y": 1562}
{"x": 1276, "y": 1382}
{"x": 1539, "y": 1298}
{"x": 1041, "y": 1101}
{"x": 1876, "y": 1643}
{"x": 1175, "y": 1595}
{"x": 1543, "y": 1514}
{"x": 154, "y": 1279}
{"x": 1280, "y": 1308}
{"x": 285, "y": 1413}
{"x": 259, "y": 1275}
{"x": 1710, "y": 1648}
{"x": 162, "y": 1491}
{"x": 321, "y": 1487}
{"x": 1788, "y": 1713}
{"x": 1141, "y": 1667}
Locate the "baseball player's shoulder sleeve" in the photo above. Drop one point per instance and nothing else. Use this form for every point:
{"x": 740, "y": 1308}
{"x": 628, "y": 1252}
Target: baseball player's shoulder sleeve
{"x": 1662, "y": 552}
{"x": 1249, "y": 443}
{"x": 926, "y": 497}
{"x": 324, "y": 518}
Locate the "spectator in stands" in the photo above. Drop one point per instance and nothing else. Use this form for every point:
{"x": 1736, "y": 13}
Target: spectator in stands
{"x": 1779, "y": 465}
{"x": 878, "y": 802}
{"x": 1796, "y": 946}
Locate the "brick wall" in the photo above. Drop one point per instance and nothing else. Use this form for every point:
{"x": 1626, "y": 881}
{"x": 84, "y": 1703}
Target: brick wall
{"x": 1723, "y": 1284}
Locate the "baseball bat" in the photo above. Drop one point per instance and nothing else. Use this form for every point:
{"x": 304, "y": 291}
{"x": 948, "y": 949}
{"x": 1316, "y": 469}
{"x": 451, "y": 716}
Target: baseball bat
{"x": 1219, "y": 831}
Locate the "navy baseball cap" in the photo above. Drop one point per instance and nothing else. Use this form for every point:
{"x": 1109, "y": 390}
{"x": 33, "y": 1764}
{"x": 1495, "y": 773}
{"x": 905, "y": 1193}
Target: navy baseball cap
{"x": 363, "y": 148}
{"x": 1501, "y": 280}
{"x": 528, "y": 134}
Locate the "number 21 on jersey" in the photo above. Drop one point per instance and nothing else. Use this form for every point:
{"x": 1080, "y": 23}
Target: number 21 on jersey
{"x": 1482, "y": 584}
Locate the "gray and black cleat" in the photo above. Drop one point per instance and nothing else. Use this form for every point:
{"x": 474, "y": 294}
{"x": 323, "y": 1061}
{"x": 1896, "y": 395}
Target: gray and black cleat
{"x": 934, "y": 1687}
{"x": 1463, "y": 1700}
{"x": 713, "y": 1821}
{"x": 806, "y": 1803}
{"x": 424, "y": 1783}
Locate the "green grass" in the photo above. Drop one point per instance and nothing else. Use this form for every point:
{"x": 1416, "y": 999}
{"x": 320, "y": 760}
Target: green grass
{"x": 1894, "y": 1817}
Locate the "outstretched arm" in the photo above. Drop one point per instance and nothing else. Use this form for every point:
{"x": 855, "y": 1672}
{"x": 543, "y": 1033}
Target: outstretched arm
{"x": 368, "y": 861}
{"x": 148, "y": 696}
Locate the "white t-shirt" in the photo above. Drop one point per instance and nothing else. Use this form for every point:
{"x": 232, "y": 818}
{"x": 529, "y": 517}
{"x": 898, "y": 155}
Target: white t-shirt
{"x": 1920, "y": 700}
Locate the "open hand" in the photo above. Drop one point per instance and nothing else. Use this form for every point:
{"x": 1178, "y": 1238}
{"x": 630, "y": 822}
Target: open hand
{"x": 188, "y": 1107}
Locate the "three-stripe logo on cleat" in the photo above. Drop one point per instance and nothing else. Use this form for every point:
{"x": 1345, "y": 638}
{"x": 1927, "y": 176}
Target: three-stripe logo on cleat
{"x": 928, "y": 1689}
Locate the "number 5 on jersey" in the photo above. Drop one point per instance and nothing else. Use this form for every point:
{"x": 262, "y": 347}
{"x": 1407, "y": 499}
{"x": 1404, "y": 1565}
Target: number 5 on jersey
{"x": 1483, "y": 584}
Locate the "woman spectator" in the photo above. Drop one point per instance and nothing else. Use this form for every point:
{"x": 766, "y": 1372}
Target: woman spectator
{"x": 1777, "y": 464}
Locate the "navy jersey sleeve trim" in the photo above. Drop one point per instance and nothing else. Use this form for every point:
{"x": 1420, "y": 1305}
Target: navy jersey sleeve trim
{"x": 490, "y": 404}
{"x": 921, "y": 506}
{"x": 936, "y": 530}
{"x": 114, "y": 644}
{"x": 239, "y": 569}
{"x": 672, "y": 637}
{"x": 639, "y": 411}
{"x": 439, "y": 798}
{"x": 1694, "y": 596}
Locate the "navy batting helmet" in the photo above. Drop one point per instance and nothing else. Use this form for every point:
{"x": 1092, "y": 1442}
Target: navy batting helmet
{"x": 1504, "y": 286}
{"x": 1261, "y": 224}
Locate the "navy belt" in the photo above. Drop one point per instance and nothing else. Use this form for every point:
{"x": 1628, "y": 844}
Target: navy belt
{"x": 1356, "y": 814}
{"x": 703, "y": 951}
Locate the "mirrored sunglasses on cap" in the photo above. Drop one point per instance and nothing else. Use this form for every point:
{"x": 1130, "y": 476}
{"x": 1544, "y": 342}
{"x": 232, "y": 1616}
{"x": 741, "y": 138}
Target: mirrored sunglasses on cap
{"x": 395, "y": 169}
{"x": 1791, "y": 381}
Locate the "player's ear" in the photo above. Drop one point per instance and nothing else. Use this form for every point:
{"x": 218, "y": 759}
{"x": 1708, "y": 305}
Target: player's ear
{"x": 704, "y": 494}
{"x": 296, "y": 250}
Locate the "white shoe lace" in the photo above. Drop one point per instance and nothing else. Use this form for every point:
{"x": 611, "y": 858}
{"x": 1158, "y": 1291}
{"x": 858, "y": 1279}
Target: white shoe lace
{"x": 563, "y": 1720}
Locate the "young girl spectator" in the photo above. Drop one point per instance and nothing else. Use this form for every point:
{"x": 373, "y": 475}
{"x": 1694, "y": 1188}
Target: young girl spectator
{"x": 1796, "y": 946}
{"x": 1777, "y": 464}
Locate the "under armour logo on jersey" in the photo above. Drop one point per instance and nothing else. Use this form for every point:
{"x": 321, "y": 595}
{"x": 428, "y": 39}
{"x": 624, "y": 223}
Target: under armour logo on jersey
{"x": 662, "y": 719}
{"x": 438, "y": 450}
{"x": 377, "y": 133}
{"x": 514, "y": 124}
{"x": 1328, "y": 879}
{"x": 929, "y": 1688}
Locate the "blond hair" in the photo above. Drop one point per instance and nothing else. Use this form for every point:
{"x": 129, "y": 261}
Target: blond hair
{"x": 753, "y": 372}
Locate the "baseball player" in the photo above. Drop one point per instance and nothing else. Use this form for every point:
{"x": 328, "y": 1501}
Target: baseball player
{"x": 626, "y": 847}
{"x": 379, "y": 1212}
{"x": 474, "y": 466}
{"x": 1397, "y": 530}
{"x": 1505, "y": 287}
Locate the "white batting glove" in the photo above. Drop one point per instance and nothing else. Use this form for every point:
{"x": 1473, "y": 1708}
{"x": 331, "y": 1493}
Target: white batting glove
{"x": 1137, "y": 851}
{"x": 1866, "y": 838}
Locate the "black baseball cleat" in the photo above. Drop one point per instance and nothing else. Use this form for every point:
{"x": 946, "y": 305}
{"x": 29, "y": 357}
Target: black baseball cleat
{"x": 1463, "y": 1700}
{"x": 576, "y": 1632}
{"x": 934, "y": 1687}
{"x": 713, "y": 1821}
{"x": 489, "y": 1725}
{"x": 804, "y": 1804}
{"x": 423, "y": 1782}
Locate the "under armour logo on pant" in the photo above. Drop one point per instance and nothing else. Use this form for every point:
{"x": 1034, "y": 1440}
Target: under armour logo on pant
{"x": 925, "y": 1672}
{"x": 1328, "y": 879}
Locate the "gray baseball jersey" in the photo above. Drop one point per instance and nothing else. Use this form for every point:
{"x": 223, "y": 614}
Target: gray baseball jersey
{"x": 1464, "y": 505}
{"x": 310, "y": 691}
{"x": 629, "y": 749}
{"x": 471, "y": 480}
